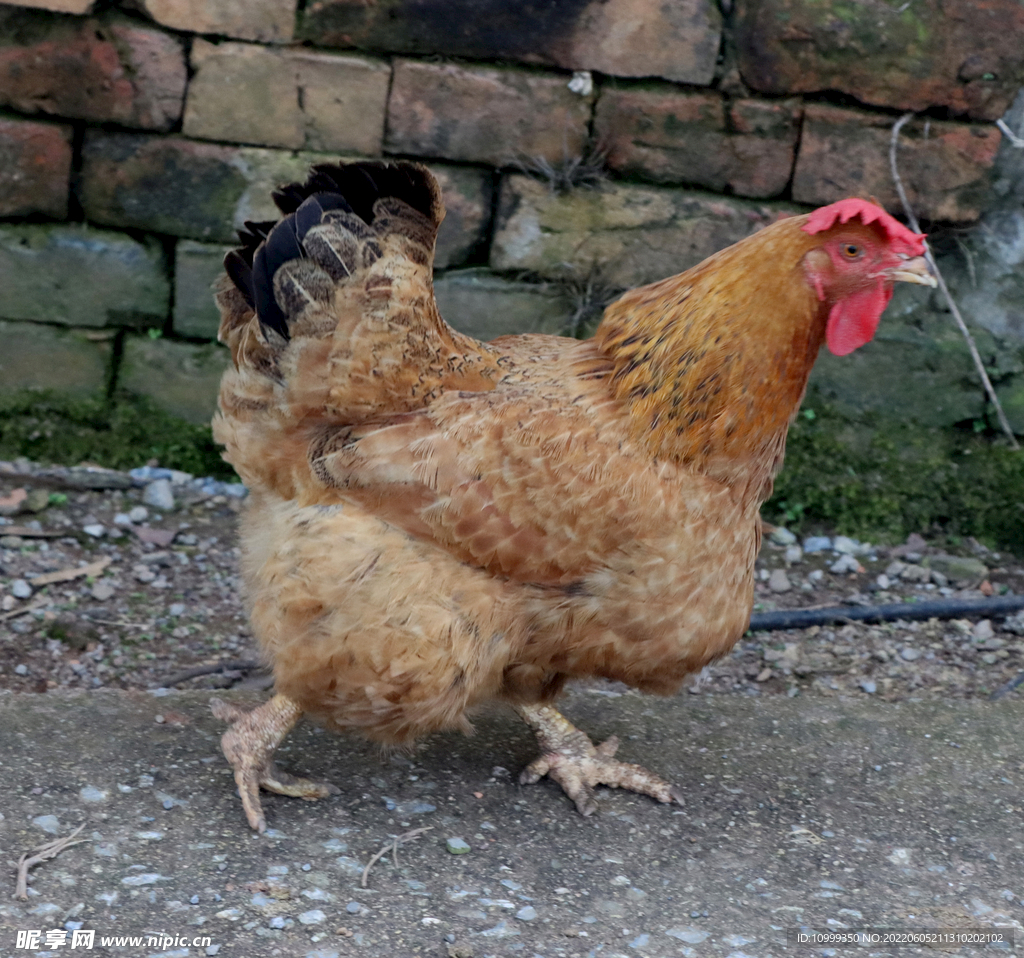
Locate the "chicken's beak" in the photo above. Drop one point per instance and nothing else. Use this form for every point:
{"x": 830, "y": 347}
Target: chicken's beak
{"x": 914, "y": 270}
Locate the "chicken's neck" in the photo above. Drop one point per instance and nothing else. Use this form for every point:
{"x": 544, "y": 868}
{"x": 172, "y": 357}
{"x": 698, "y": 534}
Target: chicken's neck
{"x": 712, "y": 366}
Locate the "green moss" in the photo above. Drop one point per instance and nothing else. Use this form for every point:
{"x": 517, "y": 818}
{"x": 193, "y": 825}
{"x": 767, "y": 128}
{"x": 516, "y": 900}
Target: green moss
{"x": 121, "y": 433}
{"x": 881, "y": 479}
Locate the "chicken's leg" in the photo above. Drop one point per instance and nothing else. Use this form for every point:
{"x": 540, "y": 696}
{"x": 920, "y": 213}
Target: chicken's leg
{"x": 249, "y": 746}
{"x": 572, "y": 760}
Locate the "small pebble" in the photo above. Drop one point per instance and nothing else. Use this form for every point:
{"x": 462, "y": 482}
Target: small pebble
{"x": 159, "y": 495}
{"x": 816, "y": 575}
{"x": 20, "y": 589}
{"x": 844, "y": 545}
{"x": 845, "y": 563}
{"x": 353, "y": 907}
{"x": 457, "y": 846}
{"x": 176, "y": 609}
{"x": 867, "y": 685}
{"x": 778, "y": 581}
{"x": 526, "y": 913}
{"x": 983, "y": 630}
{"x": 782, "y": 537}
{"x": 817, "y": 544}
{"x": 793, "y": 555}
{"x": 909, "y": 655}
{"x": 883, "y": 581}
{"x": 102, "y": 590}
{"x": 138, "y": 514}
{"x": 315, "y": 916}
{"x": 21, "y": 669}
{"x": 48, "y": 823}
{"x": 95, "y": 530}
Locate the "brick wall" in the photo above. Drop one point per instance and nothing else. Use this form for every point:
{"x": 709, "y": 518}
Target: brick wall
{"x": 136, "y": 137}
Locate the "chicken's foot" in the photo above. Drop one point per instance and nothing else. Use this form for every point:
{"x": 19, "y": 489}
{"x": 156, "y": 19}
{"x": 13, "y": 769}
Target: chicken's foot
{"x": 572, "y": 760}
{"x": 249, "y": 746}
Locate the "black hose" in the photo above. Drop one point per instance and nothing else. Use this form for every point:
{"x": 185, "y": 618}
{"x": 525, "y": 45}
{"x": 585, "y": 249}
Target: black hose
{"x": 937, "y": 609}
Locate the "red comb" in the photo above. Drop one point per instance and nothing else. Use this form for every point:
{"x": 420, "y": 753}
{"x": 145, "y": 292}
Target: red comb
{"x": 845, "y": 210}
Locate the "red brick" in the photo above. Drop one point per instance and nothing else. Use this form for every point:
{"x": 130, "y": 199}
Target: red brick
{"x": 35, "y": 166}
{"x": 484, "y": 114}
{"x": 102, "y": 70}
{"x": 965, "y": 55}
{"x": 944, "y": 166}
{"x": 632, "y": 38}
{"x": 672, "y": 136}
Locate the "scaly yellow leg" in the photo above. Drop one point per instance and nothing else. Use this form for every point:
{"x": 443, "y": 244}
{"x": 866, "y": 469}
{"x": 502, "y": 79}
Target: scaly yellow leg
{"x": 572, "y": 760}
{"x": 249, "y": 745}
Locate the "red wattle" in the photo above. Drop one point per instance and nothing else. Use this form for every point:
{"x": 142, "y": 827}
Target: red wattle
{"x": 853, "y": 320}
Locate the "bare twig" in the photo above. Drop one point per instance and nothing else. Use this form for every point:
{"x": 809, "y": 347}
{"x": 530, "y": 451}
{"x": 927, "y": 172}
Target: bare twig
{"x": 41, "y": 854}
{"x": 66, "y": 575}
{"x": 954, "y": 309}
{"x": 238, "y": 665}
{"x": 1009, "y": 134}
{"x": 392, "y": 847}
{"x": 14, "y": 613}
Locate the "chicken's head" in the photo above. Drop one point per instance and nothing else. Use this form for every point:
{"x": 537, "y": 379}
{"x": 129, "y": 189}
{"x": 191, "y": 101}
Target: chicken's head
{"x": 861, "y": 251}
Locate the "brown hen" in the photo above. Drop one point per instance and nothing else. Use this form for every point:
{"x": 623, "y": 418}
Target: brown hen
{"x": 436, "y": 522}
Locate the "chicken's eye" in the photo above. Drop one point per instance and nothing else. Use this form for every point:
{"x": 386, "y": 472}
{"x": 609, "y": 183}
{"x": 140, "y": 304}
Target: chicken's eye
{"x": 851, "y": 250}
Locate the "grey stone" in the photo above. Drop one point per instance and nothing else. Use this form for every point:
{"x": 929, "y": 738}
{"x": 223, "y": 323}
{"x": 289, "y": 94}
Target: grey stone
{"x": 196, "y": 267}
{"x": 631, "y": 234}
{"x": 814, "y": 544}
{"x": 20, "y": 589}
{"x": 181, "y": 378}
{"x": 44, "y": 357}
{"x": 782, "y": 536}
{"x": 960, "y": 570}
{"x": 778, "y": 581}
{"x": 910, "y": 655}
{"x": 80, "y": 276}
{"x": 159, "y": 495}
{"x": 457, "y": 846}
{"x": 483, "y": 305}
{"x": 845, "y": 563}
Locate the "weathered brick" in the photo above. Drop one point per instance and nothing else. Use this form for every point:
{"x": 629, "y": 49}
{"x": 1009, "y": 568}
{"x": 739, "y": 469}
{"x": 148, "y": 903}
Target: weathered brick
{"x": 631, "y": 38}
{"x": 484, "y": 114}
{"x": 35, "y": 356}
{"x": 107, "y": 70}
{"x": 672, "y": 136}
{"x": 181, "y": 187}
{"x": 467, "y": 195}
{"x": 206, "y": 191}
{"x": 964, "y": 55}
{"x": 630, "y": 234}
{"x": 77, "y": 276}
{"x": 196, "y": 267}
{"x": 269, "y": 21}
{"x": 35, "y": 167}
{"x": 291, "y": 98}
{"x": 181, "y": 378}
{"x": 483, "y": 305}
{"x": 60, "y": 6}
{"x": 944, "y": 166}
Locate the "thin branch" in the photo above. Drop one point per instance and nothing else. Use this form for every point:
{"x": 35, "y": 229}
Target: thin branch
{"x": 236, "y": 665}
{"x": 392, "y": 847}
{"x": 41, "y": 854}
{"x": 954, "y": 309}
{"x": 1010, "y": 135}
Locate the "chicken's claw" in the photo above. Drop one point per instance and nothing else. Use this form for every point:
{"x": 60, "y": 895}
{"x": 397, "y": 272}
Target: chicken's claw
{"x": 249, "y": 745}
{"x": 572, "y": 760}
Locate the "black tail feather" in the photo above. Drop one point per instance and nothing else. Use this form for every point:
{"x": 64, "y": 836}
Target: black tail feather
{"x": 352, "y": 188}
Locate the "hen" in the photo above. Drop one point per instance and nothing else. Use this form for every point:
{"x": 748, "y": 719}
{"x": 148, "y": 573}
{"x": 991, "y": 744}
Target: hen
{"x": 435, "y": 522}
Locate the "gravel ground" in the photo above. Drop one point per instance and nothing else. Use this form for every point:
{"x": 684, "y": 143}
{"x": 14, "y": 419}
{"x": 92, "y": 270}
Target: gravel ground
{"x": 148, "y": 588}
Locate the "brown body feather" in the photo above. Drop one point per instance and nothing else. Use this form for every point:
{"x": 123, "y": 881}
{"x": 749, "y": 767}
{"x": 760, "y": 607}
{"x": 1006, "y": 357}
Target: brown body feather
{"x": 435, "y": 522}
